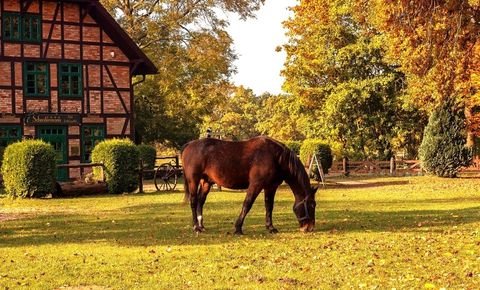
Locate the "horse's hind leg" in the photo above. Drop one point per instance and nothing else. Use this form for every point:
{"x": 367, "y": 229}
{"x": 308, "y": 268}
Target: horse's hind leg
{"x": 269, "y": 198}
{"x": 203, "y": 191}
{"x": 252, "y": 193}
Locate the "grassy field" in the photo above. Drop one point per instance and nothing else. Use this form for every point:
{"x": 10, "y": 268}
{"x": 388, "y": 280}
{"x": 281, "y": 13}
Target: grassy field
{"x": 377, "y": 233}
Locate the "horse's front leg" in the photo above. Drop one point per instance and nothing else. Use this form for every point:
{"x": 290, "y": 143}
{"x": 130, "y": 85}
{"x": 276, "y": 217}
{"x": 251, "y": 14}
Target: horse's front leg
{"x": 252, "y": 193}
{"x": 202, "y": 197}
{"x": 193, "y": 190}
{"x": 269, "y": 199}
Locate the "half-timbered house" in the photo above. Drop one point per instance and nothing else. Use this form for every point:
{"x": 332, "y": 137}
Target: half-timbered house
{"x": 66, "y": 71}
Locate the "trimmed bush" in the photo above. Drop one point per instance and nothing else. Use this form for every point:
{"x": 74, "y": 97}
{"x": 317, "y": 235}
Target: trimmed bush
{"x": 121, "y": 159}
{"x": 323, "y": 151}
{"x": 147, "y": 154}
{"x": 28, "y": 169}
{"x": 443, "y": 151}
{"x": 294, "y": 146}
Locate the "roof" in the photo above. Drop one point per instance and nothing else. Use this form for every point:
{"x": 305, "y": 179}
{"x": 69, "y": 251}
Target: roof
{"x": 143, "y": 65}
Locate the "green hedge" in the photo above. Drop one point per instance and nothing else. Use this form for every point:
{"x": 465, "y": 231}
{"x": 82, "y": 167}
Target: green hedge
{"x": 294, "y": 146}
{"x": 121, "y": 159}
{"x": 28, "y": 169}
{"x": 443, "y": 151}
{"x": 147, "y": 154}
{"x": 323, "y": 151}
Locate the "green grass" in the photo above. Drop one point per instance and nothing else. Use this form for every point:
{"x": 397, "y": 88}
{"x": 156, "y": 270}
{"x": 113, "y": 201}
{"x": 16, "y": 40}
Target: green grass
{"x": 409, "y": 232}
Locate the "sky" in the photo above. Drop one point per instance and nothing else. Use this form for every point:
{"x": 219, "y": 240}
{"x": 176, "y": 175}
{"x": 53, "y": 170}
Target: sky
{"x": 259, "y": 65}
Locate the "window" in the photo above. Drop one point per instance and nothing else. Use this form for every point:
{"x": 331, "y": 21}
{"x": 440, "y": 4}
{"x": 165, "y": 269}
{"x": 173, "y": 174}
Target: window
{"x": 8, "y": 135}
{"x": 31, "y": 28}
{"x": 22, "y": 27}
{"x": 36, "y": 79}
{"x": 11, "y": 26}
{"x": 91, "y": 136}
{"x": 70, "y": 80}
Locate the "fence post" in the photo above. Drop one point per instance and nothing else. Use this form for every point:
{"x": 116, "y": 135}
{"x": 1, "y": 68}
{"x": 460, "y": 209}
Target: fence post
{"x": 140, "y": 178}
{"x": 346, "y": 172}
{"x": 104, "y": 177}
{"x": 393, "y": 165}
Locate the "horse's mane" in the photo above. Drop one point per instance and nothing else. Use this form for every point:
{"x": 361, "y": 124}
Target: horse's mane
{"x": 295, "y": 166}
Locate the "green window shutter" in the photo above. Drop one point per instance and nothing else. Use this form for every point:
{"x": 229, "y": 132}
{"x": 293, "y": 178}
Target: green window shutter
{"x": 91, "y": 136}
{"x": 70, "y": 82}
{"x": 11, "y": 26}
{"x": 36, "y": 79}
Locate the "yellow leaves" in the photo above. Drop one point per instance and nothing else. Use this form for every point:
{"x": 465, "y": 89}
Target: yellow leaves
{"x": 429, "y": 286}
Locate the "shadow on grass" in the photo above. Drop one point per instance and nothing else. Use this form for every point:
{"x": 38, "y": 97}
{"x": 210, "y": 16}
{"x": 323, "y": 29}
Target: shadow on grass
{"x": 361, "y": 184}
{"x": 169, "y": 223}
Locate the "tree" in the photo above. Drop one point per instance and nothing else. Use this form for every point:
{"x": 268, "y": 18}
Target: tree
{"x": 335, "y": 66}
{"x": 187, "y": 41}
{"x": 235, "y": 118}
{"x": 436, "y": 44}
{"x": 443, "y": 151}
{"x": 281, "y": 117}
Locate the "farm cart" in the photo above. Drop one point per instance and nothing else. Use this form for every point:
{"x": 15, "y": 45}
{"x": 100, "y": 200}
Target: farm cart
{"x": 167, "y": 173}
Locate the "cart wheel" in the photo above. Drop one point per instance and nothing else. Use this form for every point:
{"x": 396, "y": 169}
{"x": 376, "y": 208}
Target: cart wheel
{"x": 165, "y": 177}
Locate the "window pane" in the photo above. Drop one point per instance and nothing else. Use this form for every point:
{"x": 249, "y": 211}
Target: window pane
{"x": 71, "y": 78}
{"x": 35, "y": 26}
{"x": 26, "y": 29}
{"x": 75, "y": 86}
{"x": 92, "y": 135}
{"x": 14, "y": 132}
{"x": 41, "y": 84}
{"x": 41, "y": 67}
{"x": 7, "y": 27}
{"x": 16, "y": 27}
{"x": 9, "y": 134}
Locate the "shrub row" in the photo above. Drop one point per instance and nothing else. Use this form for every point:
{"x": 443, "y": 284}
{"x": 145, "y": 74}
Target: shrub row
{"x": 28, "y": 169}
{"x": 121, "y": 159}
{"x": 29, "y": 166}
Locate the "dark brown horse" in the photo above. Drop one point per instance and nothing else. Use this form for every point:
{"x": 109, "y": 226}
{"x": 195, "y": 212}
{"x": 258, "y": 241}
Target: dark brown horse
{"x": 255, "y": 164}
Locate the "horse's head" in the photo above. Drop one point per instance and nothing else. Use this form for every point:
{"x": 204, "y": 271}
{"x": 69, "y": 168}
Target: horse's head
{"x": 305, "y": 211}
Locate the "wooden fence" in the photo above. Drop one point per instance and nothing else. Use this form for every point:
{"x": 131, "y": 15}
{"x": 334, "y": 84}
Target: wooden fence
{"x": 392, "y": 167}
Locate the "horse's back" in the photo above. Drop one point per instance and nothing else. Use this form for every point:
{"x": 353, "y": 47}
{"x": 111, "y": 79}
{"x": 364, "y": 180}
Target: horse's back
{"x": 230, "y": 163}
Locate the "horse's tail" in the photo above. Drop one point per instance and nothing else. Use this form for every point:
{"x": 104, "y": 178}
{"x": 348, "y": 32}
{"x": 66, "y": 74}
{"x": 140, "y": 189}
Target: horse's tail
{"x": 186, "y": 197}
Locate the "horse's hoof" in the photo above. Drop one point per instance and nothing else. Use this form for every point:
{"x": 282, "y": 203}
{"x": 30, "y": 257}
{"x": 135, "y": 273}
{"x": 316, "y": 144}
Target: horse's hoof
{"x": 238, "y": 233}
{"x": 198, "y": 229}
{"x": 273, "y": 231}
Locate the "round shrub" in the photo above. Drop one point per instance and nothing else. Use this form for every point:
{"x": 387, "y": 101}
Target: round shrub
{"x": 147, "y": 154}
{"x": 323, "y": 152}
{"x": 294, "y": 146}
{"x": 120, "y": 158}
{"x": 443, "y": 151}
{"x": 28, "y": 169}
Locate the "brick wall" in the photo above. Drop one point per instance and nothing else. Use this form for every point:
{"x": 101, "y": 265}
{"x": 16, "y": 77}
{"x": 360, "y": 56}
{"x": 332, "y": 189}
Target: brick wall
{"x": 103, "y": 79}
{"x": 106, "y": 73}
